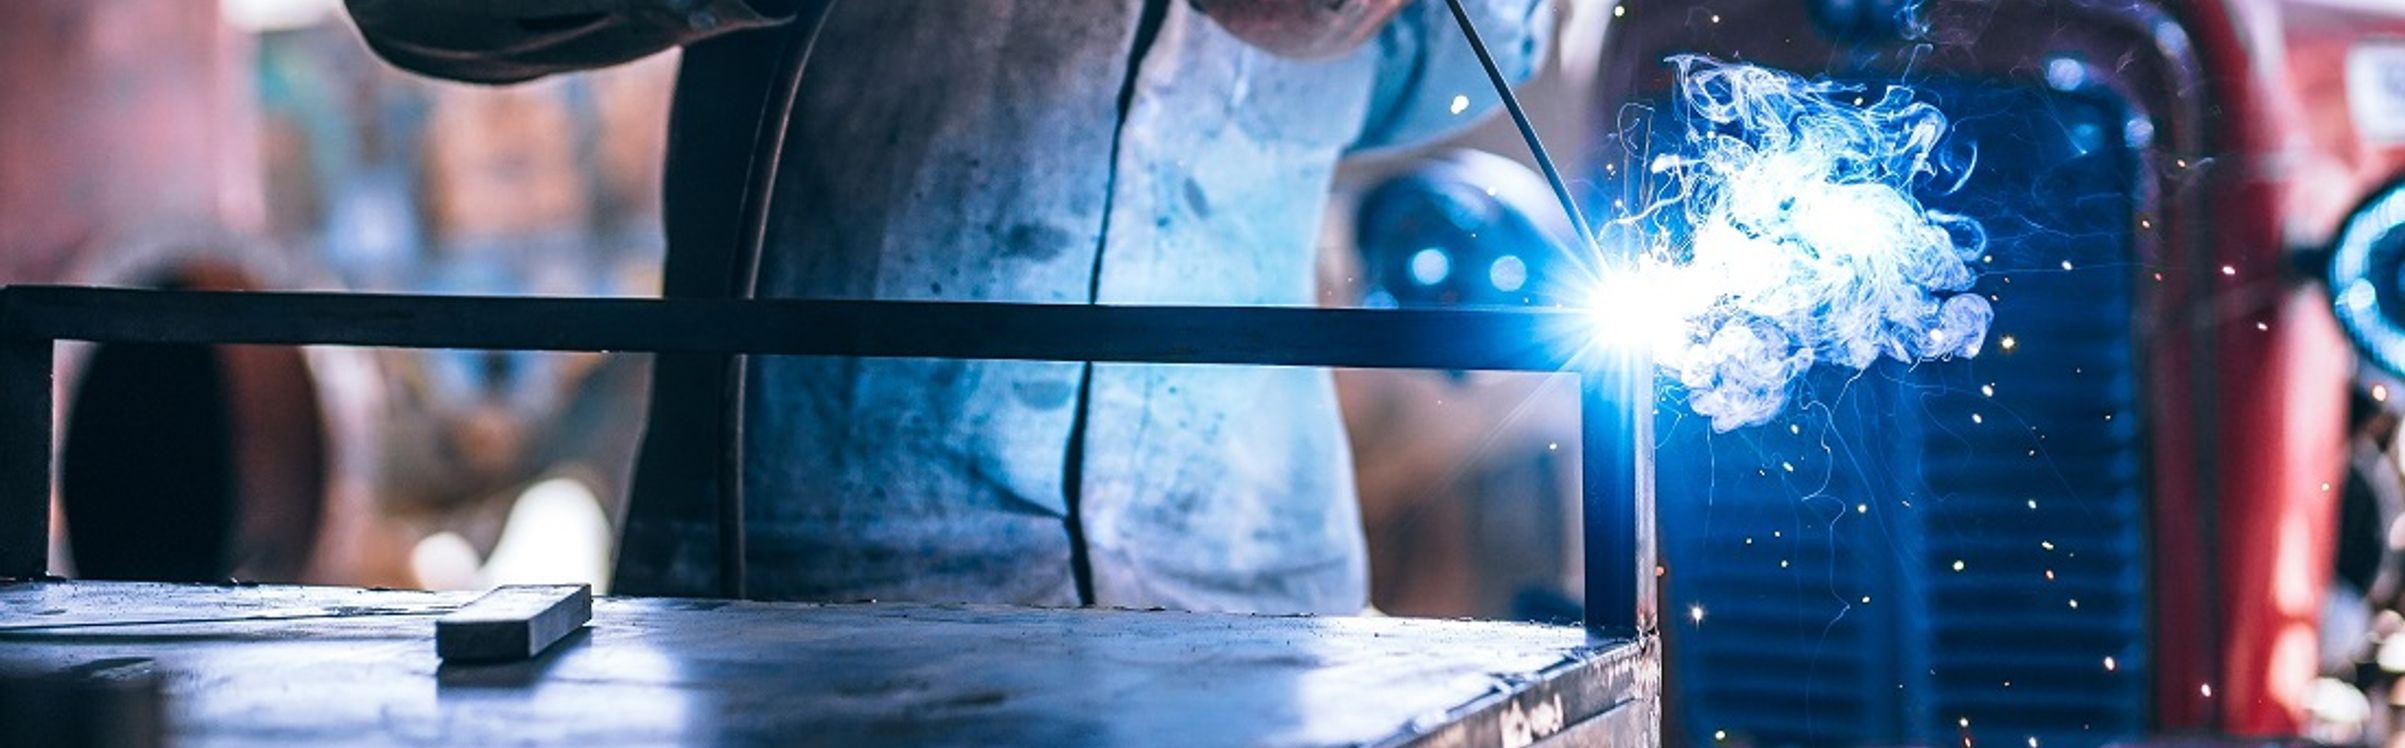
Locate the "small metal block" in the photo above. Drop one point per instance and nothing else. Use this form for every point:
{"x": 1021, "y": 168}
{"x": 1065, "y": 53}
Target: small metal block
{"x": 515, "y": 622}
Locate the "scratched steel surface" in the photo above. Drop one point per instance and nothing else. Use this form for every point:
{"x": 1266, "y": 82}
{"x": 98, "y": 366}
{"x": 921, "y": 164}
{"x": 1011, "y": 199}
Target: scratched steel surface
{"x": 697, "y": 672}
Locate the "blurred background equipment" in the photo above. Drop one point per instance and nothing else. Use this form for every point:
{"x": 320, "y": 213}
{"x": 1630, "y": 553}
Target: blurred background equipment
{"x": 1468, "y": 479}
{"x": 254, "y": 145}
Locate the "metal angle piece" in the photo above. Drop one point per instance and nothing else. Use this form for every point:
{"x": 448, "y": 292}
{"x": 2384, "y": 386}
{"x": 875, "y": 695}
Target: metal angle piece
{"x": 515, "y": 622}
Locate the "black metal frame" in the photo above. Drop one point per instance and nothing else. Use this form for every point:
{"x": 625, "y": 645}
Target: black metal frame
{"x": 1615, "y": 412}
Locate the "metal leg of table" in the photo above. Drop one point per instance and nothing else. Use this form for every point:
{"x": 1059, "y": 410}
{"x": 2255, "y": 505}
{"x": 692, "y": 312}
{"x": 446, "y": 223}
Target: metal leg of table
{"x": 1616, "y": 488}
{"x": 24, "y": 457}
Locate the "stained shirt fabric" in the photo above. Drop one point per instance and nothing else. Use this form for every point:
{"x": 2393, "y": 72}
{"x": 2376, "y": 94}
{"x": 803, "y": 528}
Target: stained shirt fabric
{"x": 979, "y": 151}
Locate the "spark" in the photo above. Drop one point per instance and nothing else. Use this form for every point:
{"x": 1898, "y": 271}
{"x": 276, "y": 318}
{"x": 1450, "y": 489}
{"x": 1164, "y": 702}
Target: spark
{"x": 1976, "y": 418}
{"x": 2008, "y": 342}
{"x": 1720, "y": 735}
{"x": 2111, "y": 665}
{"x": 1619, "y": 10}
{"x": 1862, "y": 508}
{"x": 2229, "y": 270}
{"x": 1958, "y": 565}
{"x": 2380, "y": 393}
{"x": 2206, "y": 689}
{"x": 1695, "y": 613}
{"x": 2046, "y": 544}
{"x": 1988, "y": 390}
{"x": 1802, "y": 241}
{"x": 2066, "y": 264}
{"x": 1461, "y": 103}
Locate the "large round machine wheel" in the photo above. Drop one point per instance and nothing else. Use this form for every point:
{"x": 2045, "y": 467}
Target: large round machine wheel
{"x": 193, "y": 463}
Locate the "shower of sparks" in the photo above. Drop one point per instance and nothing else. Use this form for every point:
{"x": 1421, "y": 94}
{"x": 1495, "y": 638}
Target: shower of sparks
{"x": 1801, "y": 239}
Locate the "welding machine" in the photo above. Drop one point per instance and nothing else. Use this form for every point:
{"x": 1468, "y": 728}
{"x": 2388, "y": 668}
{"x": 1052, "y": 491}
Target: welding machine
{"x": 2118, "y": 519}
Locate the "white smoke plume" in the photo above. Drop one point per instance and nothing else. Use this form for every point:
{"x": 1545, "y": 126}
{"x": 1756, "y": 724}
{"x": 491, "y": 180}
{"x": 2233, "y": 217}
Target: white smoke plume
{"x": 1801, "y": 239}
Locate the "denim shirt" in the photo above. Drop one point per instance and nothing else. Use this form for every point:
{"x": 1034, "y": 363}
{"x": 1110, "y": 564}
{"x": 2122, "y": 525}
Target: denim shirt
{"x": 980, "y": 151}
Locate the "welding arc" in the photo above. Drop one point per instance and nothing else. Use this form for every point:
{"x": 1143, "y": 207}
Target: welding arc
{"x": 1536, "y": 147}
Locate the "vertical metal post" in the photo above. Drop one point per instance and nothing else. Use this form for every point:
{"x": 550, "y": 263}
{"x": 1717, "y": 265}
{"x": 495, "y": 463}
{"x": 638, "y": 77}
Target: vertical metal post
{"x": 1616, "y": 487}
{"x": 24, "y": 457}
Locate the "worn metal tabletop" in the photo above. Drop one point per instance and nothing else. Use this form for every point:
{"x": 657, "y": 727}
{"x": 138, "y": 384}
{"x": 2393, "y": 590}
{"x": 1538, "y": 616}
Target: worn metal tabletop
{"x": 287, "y": 665}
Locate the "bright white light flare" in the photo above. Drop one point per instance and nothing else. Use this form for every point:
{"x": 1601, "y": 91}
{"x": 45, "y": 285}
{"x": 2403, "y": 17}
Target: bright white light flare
{"x": 1802, "y": 241}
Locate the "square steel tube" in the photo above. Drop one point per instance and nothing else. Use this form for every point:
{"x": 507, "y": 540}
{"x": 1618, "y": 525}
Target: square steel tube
{"x": 1616, "y": 389}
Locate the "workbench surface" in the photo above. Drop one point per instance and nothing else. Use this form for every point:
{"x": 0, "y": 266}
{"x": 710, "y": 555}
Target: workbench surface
{"x": 288, "y": 665}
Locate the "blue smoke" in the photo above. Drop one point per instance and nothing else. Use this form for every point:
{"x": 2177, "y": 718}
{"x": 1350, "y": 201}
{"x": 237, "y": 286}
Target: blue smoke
{"x": 1803, "y": 241}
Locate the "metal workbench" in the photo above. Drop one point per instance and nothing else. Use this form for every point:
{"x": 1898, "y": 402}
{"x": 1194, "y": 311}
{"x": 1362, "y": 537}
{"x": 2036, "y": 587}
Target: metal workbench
{"x": 241, "y": 665}
{"x": 341, "y": 666}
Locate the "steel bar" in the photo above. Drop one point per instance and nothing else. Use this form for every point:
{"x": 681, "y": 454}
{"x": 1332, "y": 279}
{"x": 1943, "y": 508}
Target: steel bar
{"x": 1616, "y": 499}
{"x": 1277, "y": 336}
{"x": 514, "y": 622}
{"x": 1528, "y": 132}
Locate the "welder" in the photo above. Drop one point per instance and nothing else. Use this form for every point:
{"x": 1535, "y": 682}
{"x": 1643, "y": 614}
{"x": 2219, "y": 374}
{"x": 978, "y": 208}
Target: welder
{"x": 1108, "y": 151}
